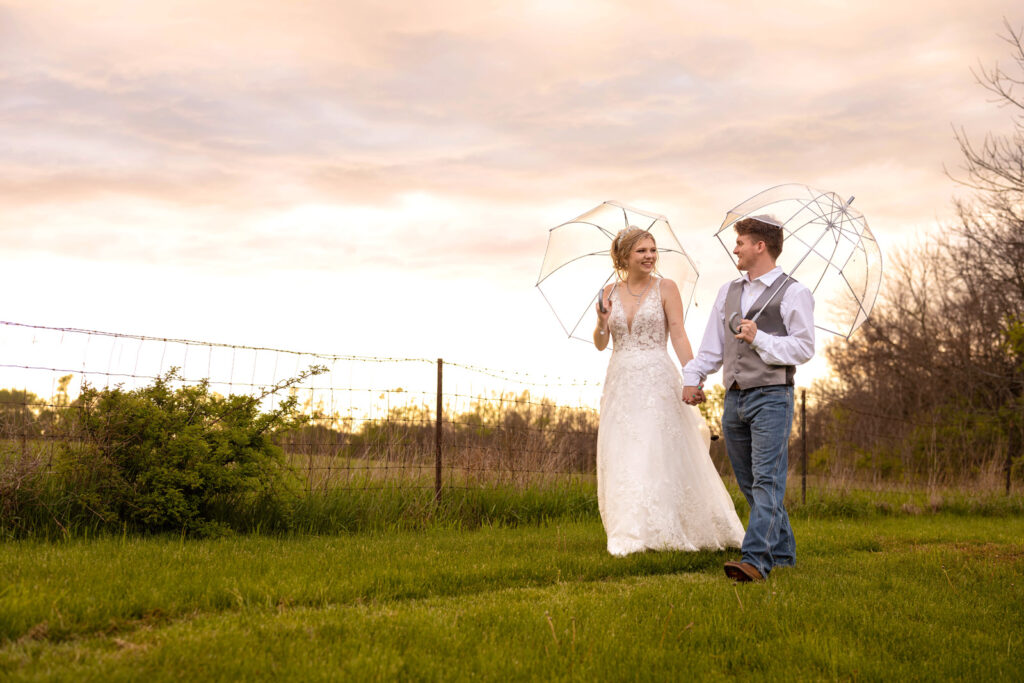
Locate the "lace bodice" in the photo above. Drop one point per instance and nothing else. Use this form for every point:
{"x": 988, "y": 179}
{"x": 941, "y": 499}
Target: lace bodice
{"x": 650, "y": 327}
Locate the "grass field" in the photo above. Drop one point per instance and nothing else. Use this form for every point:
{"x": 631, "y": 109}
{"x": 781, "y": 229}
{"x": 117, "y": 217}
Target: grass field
{"x": 888, "y": 597}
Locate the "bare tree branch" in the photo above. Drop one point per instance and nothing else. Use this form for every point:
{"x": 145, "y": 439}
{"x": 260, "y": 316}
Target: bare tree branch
{"x": 996, "y": 164}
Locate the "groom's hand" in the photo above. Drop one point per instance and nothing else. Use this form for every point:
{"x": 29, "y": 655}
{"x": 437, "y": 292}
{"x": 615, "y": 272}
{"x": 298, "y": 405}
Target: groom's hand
{"x": 693, "y": 395}
{"x": 748, "y": 329}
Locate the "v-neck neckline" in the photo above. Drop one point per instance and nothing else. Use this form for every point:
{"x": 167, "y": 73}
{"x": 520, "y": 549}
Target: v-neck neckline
{"x": 643, "y": 299}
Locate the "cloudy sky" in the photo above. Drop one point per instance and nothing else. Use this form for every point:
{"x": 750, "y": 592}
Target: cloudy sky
{"x": 379, "y": 178}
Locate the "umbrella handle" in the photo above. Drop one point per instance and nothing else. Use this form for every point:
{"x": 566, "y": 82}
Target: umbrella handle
{"x": 733, "y": 325}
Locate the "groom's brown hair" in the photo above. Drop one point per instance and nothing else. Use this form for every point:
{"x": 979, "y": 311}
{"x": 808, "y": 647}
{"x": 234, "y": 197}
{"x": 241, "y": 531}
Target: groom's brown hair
{"x": 762, "y": 231}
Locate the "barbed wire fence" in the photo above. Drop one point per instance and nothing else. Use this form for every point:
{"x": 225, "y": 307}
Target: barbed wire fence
{"x": 431, "y": 424}
{"x": 372, "y": 422}
{"x": 849, "y": 444}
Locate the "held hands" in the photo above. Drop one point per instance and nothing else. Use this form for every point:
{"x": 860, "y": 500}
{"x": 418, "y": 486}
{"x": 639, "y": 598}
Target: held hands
{"x": 748, "y": 329}
{"x": 693, "y": 395}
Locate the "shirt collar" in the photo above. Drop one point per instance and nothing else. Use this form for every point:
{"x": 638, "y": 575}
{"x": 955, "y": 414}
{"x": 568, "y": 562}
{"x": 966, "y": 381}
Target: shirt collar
{"x": 767, "y": 279}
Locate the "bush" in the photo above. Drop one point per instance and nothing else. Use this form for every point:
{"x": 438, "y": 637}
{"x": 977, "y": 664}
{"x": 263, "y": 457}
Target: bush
{"x": 22, "y": 481}
{"x": 161, "y": 458}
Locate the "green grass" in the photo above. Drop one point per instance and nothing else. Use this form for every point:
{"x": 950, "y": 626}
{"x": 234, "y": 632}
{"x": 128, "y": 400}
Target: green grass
{"x": 46, "y": 510}
{"x": 843, "y": 501}
{"x": 886, "y": 597}
{"x": 52, "y": 515}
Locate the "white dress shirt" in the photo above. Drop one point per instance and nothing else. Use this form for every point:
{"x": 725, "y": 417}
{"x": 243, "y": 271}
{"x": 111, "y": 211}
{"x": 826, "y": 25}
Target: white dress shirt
{"x": 797, "y": 310}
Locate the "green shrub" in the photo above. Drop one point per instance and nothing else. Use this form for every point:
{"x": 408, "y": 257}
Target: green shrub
{"x": 161, "y": 458}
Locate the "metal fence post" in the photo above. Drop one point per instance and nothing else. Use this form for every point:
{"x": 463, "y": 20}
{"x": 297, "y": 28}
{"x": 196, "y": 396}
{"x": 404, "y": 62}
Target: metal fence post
{"x": 803, "y": 444}
{"x": 1012, "y": 449}
{"x": 437, "y": 433}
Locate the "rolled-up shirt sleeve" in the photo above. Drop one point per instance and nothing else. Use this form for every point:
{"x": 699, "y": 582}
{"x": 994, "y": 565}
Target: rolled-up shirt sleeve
{"x": 797, "y": 346}
{"x": 709, "y": 356}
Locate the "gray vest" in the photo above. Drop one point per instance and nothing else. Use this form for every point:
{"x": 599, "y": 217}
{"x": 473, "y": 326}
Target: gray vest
{"x": 742, "y": 364}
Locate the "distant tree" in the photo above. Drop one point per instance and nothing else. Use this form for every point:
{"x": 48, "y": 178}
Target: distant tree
{"x": 18, "y": 413}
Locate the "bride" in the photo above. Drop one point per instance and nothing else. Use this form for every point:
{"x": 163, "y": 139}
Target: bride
{"x": 657, "y": 488}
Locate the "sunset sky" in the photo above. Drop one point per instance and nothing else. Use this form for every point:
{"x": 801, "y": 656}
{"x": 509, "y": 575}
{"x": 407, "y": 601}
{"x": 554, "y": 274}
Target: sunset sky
{"x": 379, "y": 178}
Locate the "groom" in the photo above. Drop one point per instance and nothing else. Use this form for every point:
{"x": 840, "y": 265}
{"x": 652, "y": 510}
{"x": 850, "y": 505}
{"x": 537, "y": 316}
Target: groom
{"x": 759, "y": 362}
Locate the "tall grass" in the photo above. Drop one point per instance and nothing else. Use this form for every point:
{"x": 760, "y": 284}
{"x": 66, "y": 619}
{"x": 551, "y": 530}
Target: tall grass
{"x": 371, "y": 504}
{"x": 41, "y": 507}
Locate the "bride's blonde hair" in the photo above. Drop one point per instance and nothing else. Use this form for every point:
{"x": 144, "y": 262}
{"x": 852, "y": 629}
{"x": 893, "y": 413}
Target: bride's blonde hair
{"x": 622, "y": 247}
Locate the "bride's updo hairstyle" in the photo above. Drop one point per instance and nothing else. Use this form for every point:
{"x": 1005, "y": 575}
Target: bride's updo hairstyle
{"x": 622, "y": 247}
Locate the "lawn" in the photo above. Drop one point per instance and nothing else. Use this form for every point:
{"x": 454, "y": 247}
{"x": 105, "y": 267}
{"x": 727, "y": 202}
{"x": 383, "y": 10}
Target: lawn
{"x": 922, "y": 597}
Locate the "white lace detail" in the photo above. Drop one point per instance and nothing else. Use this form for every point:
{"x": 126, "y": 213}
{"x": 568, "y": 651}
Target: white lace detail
{"x": 656, "y": 485}
{"x": 650, "y": 328}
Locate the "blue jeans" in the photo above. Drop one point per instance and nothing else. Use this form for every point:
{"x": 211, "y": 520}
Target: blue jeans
{"x": 756, "y": 425}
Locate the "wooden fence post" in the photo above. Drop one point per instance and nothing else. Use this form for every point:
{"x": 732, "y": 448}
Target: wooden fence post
{"x": 438, "y": 433}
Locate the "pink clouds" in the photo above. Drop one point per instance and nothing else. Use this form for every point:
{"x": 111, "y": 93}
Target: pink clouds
{"x": 220, "y": 118}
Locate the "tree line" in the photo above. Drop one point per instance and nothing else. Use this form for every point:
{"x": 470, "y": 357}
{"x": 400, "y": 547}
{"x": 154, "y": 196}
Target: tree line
{"x": 932, "y": 385}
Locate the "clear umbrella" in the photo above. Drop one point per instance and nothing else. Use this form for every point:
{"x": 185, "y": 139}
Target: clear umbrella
{"x": 577, "y": 262}
{"x": 827, "y": 246}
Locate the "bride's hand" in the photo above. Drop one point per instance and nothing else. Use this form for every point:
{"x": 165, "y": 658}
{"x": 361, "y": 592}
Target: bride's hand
{"x": 693, "y": 395}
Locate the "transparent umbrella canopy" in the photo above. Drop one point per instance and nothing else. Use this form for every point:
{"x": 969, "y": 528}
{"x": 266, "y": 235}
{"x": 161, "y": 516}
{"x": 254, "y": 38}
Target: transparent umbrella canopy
{"x": 577, "y": 263}
{"x": 827, "y": 246}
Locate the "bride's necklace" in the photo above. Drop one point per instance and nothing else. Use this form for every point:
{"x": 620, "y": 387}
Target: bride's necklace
{"x": 637, "y": 296}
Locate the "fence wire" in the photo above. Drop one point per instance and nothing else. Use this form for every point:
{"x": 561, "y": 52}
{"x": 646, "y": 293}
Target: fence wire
{"x": 371, "y": 421}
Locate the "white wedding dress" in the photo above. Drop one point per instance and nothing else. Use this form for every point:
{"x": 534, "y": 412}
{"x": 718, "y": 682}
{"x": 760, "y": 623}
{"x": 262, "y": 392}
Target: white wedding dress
{"x": 657, "y": 488}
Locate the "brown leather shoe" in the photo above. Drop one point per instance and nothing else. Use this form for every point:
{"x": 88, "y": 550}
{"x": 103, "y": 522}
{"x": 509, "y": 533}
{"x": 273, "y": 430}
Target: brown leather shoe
{"x": 742, "y": 572}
